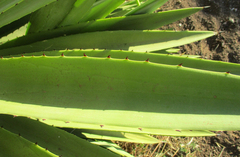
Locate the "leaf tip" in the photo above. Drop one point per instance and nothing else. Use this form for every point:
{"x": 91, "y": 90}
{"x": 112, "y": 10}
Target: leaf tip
{"x": 205, "y": 7}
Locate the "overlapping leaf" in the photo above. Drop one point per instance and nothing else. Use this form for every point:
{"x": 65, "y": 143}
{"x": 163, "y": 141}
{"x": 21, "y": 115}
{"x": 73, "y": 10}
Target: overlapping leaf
{"x": 137, "y": 22}
{"x": 141, "y": 41}
{"x": 34, "y": 134}
{"x": 19, "y": 10}
{"x": 124, "y": 97}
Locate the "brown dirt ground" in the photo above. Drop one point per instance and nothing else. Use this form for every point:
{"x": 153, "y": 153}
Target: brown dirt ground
{"x": 223, "y": 17}
{"x": 224, "y": 144}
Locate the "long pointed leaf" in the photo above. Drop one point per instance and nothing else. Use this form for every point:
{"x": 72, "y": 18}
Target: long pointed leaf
{"x": 137, "y": 22}
{"x": 16, "y": 34}
{"x": 7, "y": 29}
{"x": 7, "y": 4}
{"x": 155, "y": 131}
{"x": 15, "y": 145}
{"x": 102, "y": 9}
{"x": 79, "y": 10}
{"x": 116, "y": 94}
{"x": 50, "y": 16}
{"x": 127, "y": 40}
{"x": 113, "y": 135}
{"x": 187, "y": 61}
{"x": 22, "y": 9}
{"x": 112, "y": 147}
{"x": 147, "y": 7}
{"x": 53, "y": 139}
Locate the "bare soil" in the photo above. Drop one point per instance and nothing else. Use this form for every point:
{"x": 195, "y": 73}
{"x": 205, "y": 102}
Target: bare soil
{"x": 225, "y": 144}
{"x": 223, "y": 17}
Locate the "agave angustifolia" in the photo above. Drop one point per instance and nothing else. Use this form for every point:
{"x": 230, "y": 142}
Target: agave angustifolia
{"x": 98, "y": 66}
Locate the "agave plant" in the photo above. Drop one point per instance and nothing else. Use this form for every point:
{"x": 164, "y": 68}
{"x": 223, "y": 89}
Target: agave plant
{"x": 99, "y": 70}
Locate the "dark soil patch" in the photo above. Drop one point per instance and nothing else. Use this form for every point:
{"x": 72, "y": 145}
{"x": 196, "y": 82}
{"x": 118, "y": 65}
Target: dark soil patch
{"x": 222, "y": 16}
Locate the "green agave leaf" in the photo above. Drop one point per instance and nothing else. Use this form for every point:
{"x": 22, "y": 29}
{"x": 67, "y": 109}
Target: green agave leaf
{"x": 50, "y": 16}
{"x": 116, "y": 94}
{"x": 16, "y": 34}
{"x": 21, "y": 9}
{"x": 142, "y": 22}
{"x": 186, "y": 60}
{"x": 79, "y": 10}
{"x": 53, "y": 139}
{"x": 102, "y": 9}
{"x": 113, "y": 135}
{"x": 154, "y": 131}
{"x": 124, "y": 8}
{"x": 141, "y": 41}
{"x": 147, "y": 7}
{"x": 141, "y": 138}
{"x": 137, "y": 22}
{"x": 188, "y": 56}
{"x": 172, "y": 50}
{"x": 15, "y": 145}
{"x": 130, "y": 2}
{"x": 112, "y": 147}
{"x": 7, "y": 29}
{"x": 118, "y": 13}
{"x": 138, "y": 2}
{"x": 7, "y": 4}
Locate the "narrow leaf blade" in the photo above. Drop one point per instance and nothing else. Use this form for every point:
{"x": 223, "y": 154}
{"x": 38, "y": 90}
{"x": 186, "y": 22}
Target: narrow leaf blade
{"x": 15, "y": 145}
{"x": 7, "y": 4}
{"x": 141, "y": 41}
{"x": 79, "y": 10}
{"x": 101, "y": 9}
{"x": 187, "y": 61}
{"x": 112, "y": 147}
{"x": 49, "y": 17}
{"x": 24, "y": 8}
{"x": 48, "y": 137}
{"x": 147, "y": 7}
{"x": 114, "y": 136}
{"x": 137, "y": 22}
